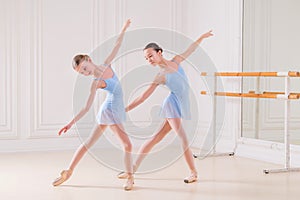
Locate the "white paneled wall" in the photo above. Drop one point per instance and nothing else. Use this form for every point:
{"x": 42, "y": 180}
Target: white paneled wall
{"x": 224, "y": 49}
{"x": 268, "y": 49}
{"x": 40, "y": 38}
{"x": 39, "y": 41}
{"x": 9, "y": 59}
{"x": 55, "y": 40}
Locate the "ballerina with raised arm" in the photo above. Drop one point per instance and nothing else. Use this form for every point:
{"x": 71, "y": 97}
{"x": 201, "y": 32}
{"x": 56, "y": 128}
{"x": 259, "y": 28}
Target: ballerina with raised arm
{"x": 111, "y": 113}
{"x": 175, "y": 107}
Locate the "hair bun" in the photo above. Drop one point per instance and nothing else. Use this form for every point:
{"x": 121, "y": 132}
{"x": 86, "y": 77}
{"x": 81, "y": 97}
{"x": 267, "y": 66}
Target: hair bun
{"x": 154, "y": 46}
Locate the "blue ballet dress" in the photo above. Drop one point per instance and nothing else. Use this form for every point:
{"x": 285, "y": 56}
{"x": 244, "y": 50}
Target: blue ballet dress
{"x": 177, "y": 104}
{"x": 112, "y": 110}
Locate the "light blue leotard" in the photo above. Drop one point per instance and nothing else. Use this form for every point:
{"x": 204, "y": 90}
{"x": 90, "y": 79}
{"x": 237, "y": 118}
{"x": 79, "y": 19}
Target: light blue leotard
{"x": 112, "y": 110}
{"x": 177, "y": 104}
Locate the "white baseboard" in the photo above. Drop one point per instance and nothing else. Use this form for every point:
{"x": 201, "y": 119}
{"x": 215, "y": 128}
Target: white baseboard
{"x": 31, "y": 145}
{"x": 72, "y": 143}
{"x": 267, "y": 151}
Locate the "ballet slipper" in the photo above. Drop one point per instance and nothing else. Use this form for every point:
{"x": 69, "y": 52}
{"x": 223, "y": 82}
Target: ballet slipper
{"x": 129, "y": 184}
{"x": 64, "y": 176}
{"x": 192, "y": 178}
{"x": 123, "y": 175}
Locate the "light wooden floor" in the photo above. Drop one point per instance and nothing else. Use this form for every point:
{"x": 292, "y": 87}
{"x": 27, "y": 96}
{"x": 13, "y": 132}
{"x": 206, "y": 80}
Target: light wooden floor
{"x": 29, "y": 176}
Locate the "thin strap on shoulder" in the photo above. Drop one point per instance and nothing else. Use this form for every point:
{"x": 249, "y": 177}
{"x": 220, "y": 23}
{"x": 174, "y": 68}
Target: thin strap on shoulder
{"x": 175, "y": 62}
{"x": 106, "y": 65}
{"x": 98, "y": 79}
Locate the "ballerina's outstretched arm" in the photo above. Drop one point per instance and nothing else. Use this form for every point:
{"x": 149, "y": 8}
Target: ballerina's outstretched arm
{"x": 181, "y": 57}
{"x": 83, "y": 111}
{"x": 118, "y": 43}
{"x": 158, "y": 80}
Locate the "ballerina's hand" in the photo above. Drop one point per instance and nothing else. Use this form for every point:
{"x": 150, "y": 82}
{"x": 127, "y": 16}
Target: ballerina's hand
{"x": 208, "y": 34}
{"x": 64, "y": 129}
{"x": 126, "y": 24}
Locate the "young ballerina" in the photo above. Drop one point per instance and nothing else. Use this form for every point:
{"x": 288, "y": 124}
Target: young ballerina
{"x": 175, "y": 107}
{"x": 111, "y": 113}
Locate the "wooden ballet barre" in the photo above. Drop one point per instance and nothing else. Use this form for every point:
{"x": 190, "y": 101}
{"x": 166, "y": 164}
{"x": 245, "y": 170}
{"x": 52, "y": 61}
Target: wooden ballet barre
{"x": 287, "y": 95}
{"x": 293, "y": 93}
{"x": 254, "y": 95}
{"x": 269, "y": 74}
{"x": 281, "y": 93}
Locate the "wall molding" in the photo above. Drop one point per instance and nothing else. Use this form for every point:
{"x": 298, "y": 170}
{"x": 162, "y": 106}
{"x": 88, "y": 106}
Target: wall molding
{"x": 8, "y": 129}
{"x": 33, "y": 128}
{"x": 38, "y": 127}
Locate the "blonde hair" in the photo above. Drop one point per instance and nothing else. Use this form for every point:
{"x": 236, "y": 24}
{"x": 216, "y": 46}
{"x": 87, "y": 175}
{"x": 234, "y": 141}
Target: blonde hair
{"x": 79, "y": 59}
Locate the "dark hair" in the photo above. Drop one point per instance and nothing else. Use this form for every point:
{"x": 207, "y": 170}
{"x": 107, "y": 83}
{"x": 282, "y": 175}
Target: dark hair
{"x": 153, "y": 46}
{"x": 78, "y": 59}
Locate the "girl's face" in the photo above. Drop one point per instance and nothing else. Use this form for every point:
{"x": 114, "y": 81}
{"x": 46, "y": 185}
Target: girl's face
{"x": 85, "y": 68}
{"x": 152, "y": 56}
